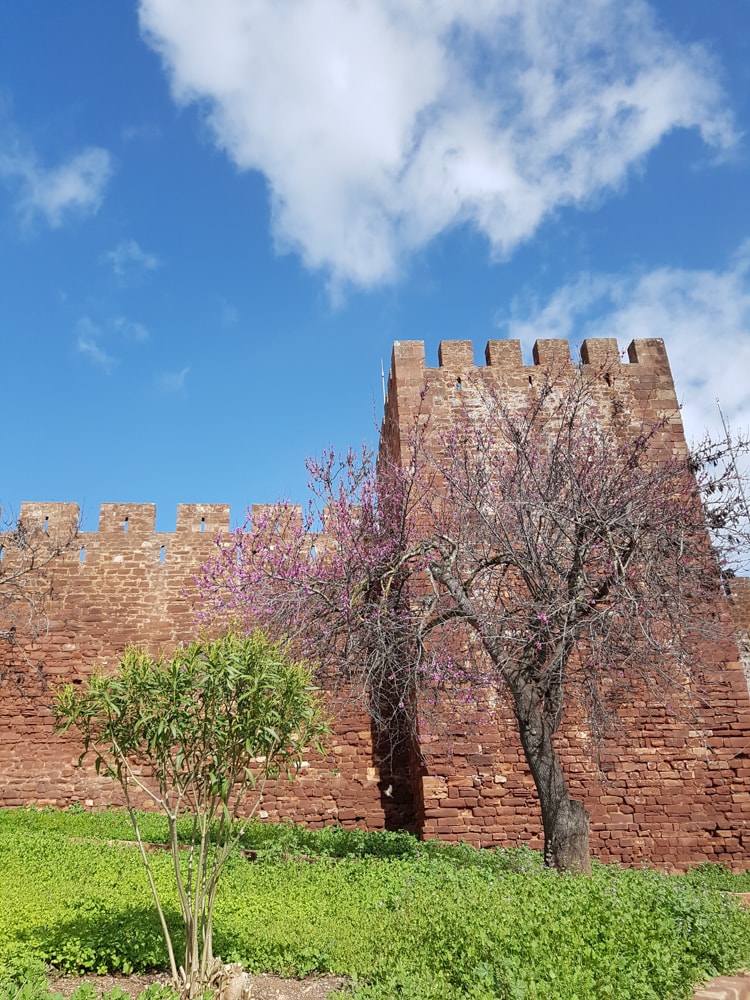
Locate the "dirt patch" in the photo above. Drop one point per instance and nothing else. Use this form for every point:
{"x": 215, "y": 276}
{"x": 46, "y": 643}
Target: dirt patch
{"x": 262, "y": 987}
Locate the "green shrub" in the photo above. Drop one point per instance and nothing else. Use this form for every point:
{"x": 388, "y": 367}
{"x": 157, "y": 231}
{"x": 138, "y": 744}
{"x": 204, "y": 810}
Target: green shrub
{"x": 209, "y": 725}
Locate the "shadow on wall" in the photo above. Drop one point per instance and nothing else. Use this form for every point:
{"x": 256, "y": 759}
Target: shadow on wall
{"x": 396, "y": 756}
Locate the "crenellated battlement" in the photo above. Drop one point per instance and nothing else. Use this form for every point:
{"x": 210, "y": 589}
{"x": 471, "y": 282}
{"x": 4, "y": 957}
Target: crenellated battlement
{"x": 127, "y": 518}
{"x": 131, "y": 528}
{"x": 504, "y": 356}
{"x": 126, "y": 534}
{"x": 638, "y": 382}
{"x": 53, "y": 518}
{"x": 288, "y": 516}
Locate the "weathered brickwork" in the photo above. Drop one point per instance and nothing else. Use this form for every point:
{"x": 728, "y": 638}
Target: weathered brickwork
{"x": 740, "y": 592}
{"x": 664, "y": 791}
{"x": 128, "y": 583}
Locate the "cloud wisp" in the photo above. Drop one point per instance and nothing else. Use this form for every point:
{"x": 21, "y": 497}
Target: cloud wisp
{"x": 88, "y": 337}
{"x": 130, "y": 329}
{"x": 172, "y": 383}
{"x": 130, "y": 262}
{"x": 94, "y": 340}
{"x": 379, "y": 126}
{"x": 74, "y": 187}
{"x": 702, "y": 315}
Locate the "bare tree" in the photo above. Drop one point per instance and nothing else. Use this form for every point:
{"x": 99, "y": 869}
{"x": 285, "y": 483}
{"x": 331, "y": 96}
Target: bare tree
{"x": 28, "y": 548}
{"x": 550, "y": 550}
{"x": 576, "y": 552}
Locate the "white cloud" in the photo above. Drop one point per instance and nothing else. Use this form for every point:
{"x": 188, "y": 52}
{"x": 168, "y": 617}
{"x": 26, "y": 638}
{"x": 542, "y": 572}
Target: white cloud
{"x": 74, "y": 187}
{"x": 379, "y": 125}
{"x": 130, "y": 262}
{"x": 702, "y": 315}
{"x": 173, "y": 382}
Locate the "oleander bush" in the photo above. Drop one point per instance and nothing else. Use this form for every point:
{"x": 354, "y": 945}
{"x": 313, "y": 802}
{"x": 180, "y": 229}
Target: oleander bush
{"x": 209, "y": 725}
{"x": 418, "y": 921}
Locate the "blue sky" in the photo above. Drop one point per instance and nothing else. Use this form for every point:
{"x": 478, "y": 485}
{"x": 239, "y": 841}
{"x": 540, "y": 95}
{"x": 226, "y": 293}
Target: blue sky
{"x": 217, "y": 215}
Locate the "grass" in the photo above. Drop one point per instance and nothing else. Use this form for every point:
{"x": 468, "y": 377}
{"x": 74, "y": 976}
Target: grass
{"x": 418, "y": 921}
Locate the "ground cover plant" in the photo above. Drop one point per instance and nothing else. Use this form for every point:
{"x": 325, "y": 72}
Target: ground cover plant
{"x": 199, "y": 734}
{"x": 400, "y": 917}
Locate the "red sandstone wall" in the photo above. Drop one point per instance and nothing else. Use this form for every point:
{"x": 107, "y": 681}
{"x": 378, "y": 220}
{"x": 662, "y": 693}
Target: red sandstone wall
{"x": 663, "y": 790}
{"x": 660, "y": 791}
{"x": 666, "y": 792}
{"x": 126, "y": 583}
{"x": 740, "y": 605}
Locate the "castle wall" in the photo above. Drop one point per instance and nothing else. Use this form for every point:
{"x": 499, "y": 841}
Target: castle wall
{"x": 740, "y": 599}
{"x": 663, "y": 791}
{"x": 128, "y": 583}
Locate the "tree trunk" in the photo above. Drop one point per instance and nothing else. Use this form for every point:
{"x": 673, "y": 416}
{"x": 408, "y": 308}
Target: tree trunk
{"x": 566, "y": 822}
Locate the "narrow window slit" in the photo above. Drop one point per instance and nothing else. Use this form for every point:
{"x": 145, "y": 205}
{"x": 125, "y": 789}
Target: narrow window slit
{"x": 531, "y": 380}
{"x": 162, "y": 554}
{"x": 125, "y": 525}
{"x": 46, "y": 525}
{"x": 458, "y": 382}
{"x": 82, "y": 554}
{"x": 203, "y": 524}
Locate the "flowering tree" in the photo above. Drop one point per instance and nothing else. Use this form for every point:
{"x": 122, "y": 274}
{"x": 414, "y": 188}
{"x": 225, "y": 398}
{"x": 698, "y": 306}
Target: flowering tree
{"x": 339, "y": 579}
{"x": 551, "y": 550}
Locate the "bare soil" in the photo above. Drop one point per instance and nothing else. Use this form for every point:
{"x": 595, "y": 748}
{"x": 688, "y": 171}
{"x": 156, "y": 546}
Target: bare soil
{"x": 263, "y": 987}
